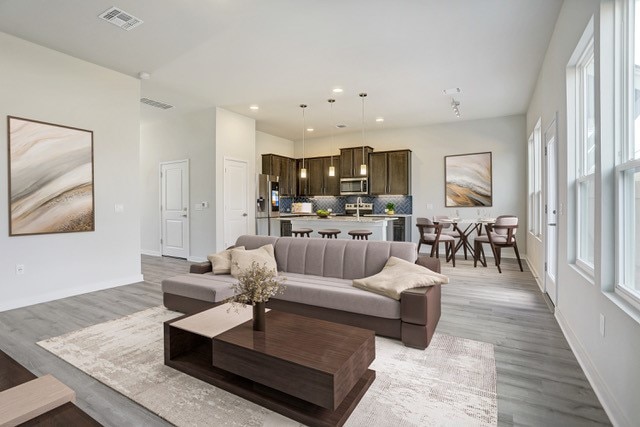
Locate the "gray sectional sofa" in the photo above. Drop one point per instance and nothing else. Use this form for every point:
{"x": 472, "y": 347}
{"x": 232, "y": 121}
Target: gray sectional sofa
{"x": 319, "y": 275}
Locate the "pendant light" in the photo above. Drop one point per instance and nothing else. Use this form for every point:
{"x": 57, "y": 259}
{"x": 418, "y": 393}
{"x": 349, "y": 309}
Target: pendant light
{"x": 303, "y": 170}
{"x": 332, "y": 169}
{"x": 363, "y": 166}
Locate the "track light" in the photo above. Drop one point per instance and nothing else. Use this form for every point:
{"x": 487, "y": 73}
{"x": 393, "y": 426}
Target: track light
{"x": 455, "y": 106}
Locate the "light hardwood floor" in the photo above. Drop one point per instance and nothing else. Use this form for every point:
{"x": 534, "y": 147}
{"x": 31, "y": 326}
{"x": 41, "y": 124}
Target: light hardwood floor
{"x": 539, "y": 380}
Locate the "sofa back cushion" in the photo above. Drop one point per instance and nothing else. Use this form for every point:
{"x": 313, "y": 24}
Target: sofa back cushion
{"x": 343, "y": 259}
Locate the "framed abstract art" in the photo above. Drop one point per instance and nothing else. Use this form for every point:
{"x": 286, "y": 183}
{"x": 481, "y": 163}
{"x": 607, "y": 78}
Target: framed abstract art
{"x": 468, "y": 180}
{"x": 50, "y": 178}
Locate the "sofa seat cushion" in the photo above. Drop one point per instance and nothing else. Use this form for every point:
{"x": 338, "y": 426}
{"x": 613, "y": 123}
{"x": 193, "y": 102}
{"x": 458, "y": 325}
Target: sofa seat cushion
{"x": 204, "y": 287}
{"x": 337, "y": 294}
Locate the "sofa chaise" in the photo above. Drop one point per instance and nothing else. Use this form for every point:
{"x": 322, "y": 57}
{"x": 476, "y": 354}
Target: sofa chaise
{"x": 319, "y": 276}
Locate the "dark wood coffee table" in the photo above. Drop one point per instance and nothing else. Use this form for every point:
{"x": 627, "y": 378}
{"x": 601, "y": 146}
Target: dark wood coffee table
{"x": 309, "y": 370}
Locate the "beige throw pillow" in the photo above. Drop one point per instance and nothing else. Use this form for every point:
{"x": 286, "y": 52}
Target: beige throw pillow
{"x": 397, "y": 276}
{"x": 221, "y": 262}
{"x": 241, "y": 259}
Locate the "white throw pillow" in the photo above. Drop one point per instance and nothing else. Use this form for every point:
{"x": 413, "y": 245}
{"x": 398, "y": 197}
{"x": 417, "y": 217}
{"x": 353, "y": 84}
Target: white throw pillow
{"x": 397, "y": 276}
{"x": 221, "y": 262}
{"x": 242, "y": 259}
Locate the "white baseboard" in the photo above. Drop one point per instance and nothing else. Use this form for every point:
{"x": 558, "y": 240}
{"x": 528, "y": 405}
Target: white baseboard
{"x": 196, "y": 259}
{"x": 535, "y": 273}
{"x": 607, "y": 400}
{"x": 64, "y": 293}
{"x": 150, "y": 253}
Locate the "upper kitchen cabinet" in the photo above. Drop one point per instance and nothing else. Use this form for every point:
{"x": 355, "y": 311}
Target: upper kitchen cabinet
{"x": 390, "y": 172}
{"x": 351, "y": 159}
{"x": 285, "y": 168}
{"x": 318, "y": 181}
{"x": 331, "y": 183}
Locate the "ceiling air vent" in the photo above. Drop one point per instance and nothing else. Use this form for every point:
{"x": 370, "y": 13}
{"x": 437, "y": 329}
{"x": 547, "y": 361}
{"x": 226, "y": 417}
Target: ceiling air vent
{"x": 120, "y": 18}
{"x": 156, "y": 104}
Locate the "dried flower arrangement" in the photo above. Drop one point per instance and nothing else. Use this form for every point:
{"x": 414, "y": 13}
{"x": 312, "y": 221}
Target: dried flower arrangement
{"x": 257, "y": 284}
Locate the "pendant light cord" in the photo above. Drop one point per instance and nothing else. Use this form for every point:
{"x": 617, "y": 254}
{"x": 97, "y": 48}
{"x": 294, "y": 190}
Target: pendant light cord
{"x": 363, "y": 95}
{"x": 303, "y": 106}
{"x": 331, "y": 101}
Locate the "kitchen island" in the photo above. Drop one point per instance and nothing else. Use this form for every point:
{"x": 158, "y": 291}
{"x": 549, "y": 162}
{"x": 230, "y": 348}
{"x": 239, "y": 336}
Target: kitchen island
{"x": 381, "y": 228}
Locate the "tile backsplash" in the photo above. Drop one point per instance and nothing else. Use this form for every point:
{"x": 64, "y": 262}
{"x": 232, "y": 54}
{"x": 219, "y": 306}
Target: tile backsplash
{"x": 404, "y": 204}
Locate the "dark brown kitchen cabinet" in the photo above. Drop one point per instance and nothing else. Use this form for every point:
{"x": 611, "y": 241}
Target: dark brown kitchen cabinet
{"x": 331, "y": 183}
{"x": 285, "y": 168}
{"x": 318, "y": 182}
{"x": 351, "y": 159}
{"x": 390, "y": 172}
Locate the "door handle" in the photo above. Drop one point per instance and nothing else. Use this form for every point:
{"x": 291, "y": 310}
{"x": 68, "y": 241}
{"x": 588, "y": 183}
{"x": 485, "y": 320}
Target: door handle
{"x": 244, "y": 214}
{"x": 552, "y": 225}
{"x": 554, "y": 212}
{"x": 184, "y": 215}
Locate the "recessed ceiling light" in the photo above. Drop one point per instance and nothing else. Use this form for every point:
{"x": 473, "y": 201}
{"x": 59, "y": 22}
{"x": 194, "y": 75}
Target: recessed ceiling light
{"x": 254, "y": 107}
{"x": 310, "y": 129}
{"x": 338, "y": 90}
{"x": 379, "y": 119}
{"x": 452, "y": 91}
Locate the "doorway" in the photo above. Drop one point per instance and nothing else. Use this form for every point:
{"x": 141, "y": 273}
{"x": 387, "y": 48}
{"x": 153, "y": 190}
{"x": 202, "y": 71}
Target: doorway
{"x": 174, "y": 209}
{"x": 236, "y": 215}
{"x": 551, "y": 211}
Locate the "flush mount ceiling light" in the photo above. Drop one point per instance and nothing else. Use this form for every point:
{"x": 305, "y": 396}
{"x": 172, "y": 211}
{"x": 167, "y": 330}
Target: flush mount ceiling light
{"x": 363, "y": 166}
{"x": 338, "y": 90}
{"x": 254, "y": 107}
{"x": 120, "y": 18}
{"x": 455, "y": 106}
{"x": 143, "y": 75}
{"x": 303, "y": 170}
{"x": 310, "y": 129}
{"x": 332, "y": 169}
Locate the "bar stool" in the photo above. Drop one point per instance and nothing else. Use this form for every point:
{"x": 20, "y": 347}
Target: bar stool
{"x": 360, "y": 234}
{"x": 329, "y": 233}
{"x": 302, "y": 232}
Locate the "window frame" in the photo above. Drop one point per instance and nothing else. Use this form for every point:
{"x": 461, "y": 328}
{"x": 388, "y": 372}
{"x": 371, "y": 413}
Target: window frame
{"x": 626, "y": 164}
{"x": 583, "y": 177}
{"x": 535, "y": 180}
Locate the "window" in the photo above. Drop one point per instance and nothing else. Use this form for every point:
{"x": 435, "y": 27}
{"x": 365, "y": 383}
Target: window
{"x": 535, "y": 180}
{"x": 585, "y": 139}
{"x": 628, "y": 165}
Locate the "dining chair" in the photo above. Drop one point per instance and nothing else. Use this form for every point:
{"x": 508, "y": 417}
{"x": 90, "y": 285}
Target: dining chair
{"x": 450, "y": 229}
{"x": 501, "y": 234}
{"x": 431, "y": 234}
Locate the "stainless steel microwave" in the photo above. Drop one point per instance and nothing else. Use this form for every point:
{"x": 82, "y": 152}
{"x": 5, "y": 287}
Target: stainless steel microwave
{"x": 350, "y": 186}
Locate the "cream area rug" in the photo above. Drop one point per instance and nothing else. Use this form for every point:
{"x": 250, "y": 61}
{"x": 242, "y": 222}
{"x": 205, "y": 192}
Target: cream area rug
{"x": 451, "y": 383}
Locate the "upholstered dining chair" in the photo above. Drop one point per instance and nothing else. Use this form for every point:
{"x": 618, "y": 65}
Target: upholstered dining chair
{"x": 501, "y": 234}
{"x": 431, "y": 234}
{"x": 449, "y": 229}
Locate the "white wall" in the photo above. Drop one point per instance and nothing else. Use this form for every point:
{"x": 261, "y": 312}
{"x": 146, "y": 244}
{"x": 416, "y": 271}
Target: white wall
{"x": 503, "y": 136}
{"x": 42, "y": 84}
{"x": 270, "y": 144}
{"x": 235, "y": 139}
{"x": 610, "y": 362}
{"x": 191, "y": 136}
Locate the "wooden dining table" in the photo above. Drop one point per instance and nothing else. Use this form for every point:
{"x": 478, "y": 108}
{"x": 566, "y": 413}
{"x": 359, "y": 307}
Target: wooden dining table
{"x": 465, "y": 227}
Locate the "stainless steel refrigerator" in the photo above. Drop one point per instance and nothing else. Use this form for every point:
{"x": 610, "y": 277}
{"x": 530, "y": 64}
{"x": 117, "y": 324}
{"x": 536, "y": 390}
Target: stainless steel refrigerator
{"x": 267, "y": 205}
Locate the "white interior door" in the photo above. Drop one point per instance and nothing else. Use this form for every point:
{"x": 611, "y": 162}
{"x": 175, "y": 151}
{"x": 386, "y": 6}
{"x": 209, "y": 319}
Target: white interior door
{"x": 235, "y": 201}
{"x": 174, "y": 208}
{"x": 551, "y": 209}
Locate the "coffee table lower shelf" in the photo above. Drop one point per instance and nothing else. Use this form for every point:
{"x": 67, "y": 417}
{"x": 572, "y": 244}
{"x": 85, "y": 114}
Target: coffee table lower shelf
{"x": 289, "y": 406}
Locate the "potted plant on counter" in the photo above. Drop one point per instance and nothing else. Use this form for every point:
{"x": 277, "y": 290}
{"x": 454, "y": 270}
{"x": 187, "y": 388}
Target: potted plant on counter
{"x": 390, "y": 208}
